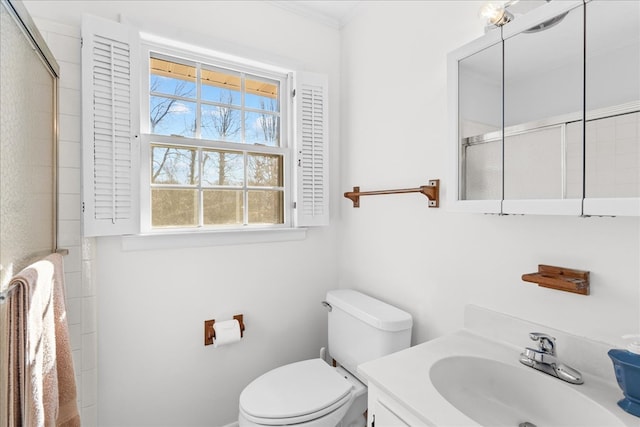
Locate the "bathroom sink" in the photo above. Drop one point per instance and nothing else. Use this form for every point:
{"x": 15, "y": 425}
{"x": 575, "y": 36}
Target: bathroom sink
{"x": 493, "y": 393}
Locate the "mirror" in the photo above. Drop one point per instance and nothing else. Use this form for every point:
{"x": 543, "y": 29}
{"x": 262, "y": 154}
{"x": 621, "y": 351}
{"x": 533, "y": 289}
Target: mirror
{"x": 547, "y": 112}
{"x": 480, "y": 125}
{"x": 543, "y": 96}
{"x": 612, "y": 151}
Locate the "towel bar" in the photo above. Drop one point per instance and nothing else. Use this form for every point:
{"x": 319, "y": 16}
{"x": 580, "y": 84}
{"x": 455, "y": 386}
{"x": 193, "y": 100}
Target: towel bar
{"x": 4, "y": 295}
{"x": 432, "y": 191}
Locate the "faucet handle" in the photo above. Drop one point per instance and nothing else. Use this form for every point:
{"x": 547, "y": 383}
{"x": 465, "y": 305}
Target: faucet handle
{"x": 546, "y": 343}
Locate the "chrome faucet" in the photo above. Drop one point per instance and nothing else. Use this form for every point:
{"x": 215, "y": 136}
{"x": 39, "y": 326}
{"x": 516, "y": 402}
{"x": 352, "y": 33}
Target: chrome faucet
{"x": 544, "y": 359}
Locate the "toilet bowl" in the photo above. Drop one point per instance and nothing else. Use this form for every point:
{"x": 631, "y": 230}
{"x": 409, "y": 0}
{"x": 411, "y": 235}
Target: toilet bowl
{"x": 312, "y": 393}
{"x": 307, "y": 393}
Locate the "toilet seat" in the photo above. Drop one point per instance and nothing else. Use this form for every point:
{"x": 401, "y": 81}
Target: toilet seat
{"x": 295, "y": 393}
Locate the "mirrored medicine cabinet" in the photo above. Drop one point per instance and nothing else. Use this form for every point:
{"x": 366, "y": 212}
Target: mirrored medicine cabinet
{"x": 545, "y": 113}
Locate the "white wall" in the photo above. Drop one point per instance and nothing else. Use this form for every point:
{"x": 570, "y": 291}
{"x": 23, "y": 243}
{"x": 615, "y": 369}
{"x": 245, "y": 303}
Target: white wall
{"x": 432, "y": 262}
{"x": 152, "y": 364}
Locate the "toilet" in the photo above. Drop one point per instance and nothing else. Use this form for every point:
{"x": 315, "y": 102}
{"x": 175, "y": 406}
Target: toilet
{"x": 313, "y": 393}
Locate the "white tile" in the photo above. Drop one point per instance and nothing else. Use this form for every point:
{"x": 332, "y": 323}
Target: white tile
{"x": 69, "y": 206}
{"x": 69, "y": 154}
{"x": 88, "y": 282}
{"x": 89, "y": 416}
{"x": 72, "y": 261}
{"x": 627, "y": 162}
{"x": 89, "y": 315}
{"x": 628, "y": 146}
{"x": 79, "y": 388}
{"x": 89, "y": 248}
{"x": 626, "y": 130}
{"x": 74, "y": 313}
{"x": 68, "y": 233}
{"x": 73, "y": 284}
{"x": 64, "y": 47}
{"x": 70, "y": 126}
{"x": 89, "y": 352}
{"x": 604, "y": 148}
{"x": 75, "y": 336}
{"x": 89, "y": 387}
{"x": 69, "y": 101}
{"x": 77, "y": 363}
{"x": 626, "y": 118}
{"x": 69, "y": 180}
{"x": 70, "y": 75}
{"x": 605, "y": 133}
{"x": 627, "y": 176}
{"x": 56, "y": 27}
{"x": 631, "y": 189}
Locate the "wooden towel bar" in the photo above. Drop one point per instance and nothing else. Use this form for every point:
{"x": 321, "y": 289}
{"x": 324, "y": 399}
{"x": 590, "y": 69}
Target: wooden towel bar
{"x": 432, "y": 191}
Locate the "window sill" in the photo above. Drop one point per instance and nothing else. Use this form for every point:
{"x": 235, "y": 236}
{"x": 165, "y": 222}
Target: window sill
{"x": 200, "y": 239}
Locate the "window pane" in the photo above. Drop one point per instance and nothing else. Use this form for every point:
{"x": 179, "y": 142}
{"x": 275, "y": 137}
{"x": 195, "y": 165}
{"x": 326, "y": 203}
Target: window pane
{"x": 172, "y": 78}
{"x": 221, "y": 87}
{"x": 222, "y": 167}
{"x": 223, "y": 207}
{"x": 264, "y": 170}
{"x": 262, "y": 95}
{"x": 170, "y": 116}
{"x": 221, "y": 123}
{"x": 262, "y": 128}
{"x": 265, "y": 207}
{"x": 172, "y": 165}
{"x": 214, "y": 184}
{"x": 171, "y": 208}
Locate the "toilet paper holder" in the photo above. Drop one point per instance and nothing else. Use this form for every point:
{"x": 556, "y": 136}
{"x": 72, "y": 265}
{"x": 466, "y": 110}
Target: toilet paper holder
{"x": 210, "y": 332}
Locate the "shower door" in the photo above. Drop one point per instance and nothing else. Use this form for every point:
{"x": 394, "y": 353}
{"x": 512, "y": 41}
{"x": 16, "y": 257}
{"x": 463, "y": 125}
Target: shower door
{"x": 28, "y": 152}
{"x": 28, "y": 92}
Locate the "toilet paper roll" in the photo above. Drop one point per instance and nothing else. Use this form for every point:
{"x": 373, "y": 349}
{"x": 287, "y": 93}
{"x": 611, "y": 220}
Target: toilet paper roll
{"x": 227, "y": 332}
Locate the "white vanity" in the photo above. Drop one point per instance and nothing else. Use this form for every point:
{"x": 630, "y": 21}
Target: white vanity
{"x": 473, "y": 377}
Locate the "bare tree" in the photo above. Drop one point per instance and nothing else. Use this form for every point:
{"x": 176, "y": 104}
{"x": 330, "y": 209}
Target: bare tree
{"x": 223, "y": 120}
{"x": 169, "y": 166}
{"x": 219, "y": 161}
{"x": 158, "y": 113}
{"x": 161, "y": 109}
{"x": 269, "y": 122}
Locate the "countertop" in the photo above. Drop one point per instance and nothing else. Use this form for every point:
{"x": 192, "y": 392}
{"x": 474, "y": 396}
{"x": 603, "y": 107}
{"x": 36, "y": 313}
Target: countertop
{"x": 404, "y": 376}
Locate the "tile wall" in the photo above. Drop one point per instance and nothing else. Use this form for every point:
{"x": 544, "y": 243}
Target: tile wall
{"x": 64, "y": 42}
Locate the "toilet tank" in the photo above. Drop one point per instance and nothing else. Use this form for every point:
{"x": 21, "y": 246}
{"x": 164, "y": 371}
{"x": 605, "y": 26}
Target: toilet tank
{"x": 362, "y": 328}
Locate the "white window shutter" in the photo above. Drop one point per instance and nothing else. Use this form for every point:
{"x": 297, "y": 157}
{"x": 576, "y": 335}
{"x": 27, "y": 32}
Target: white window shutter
{"x": 110, "y": 157}
{"x": 312, "y": 149}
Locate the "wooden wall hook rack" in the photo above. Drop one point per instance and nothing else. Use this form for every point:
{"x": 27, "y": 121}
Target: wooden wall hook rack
{"x": 431, "y": 190}
{"x": 560, "y": 278}
{"x": 210, "y": 332}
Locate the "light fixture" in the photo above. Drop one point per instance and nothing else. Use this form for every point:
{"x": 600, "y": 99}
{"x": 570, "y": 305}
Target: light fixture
{"x": 496, "y": 14}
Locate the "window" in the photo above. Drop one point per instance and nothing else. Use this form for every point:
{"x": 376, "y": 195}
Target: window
{"x": 183, "y": 138}
{"x": 222, "y": 156}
